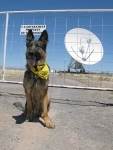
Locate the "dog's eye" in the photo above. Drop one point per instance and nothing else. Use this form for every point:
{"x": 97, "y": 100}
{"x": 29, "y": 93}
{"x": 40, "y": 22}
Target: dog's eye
{"x": 39, "y": 46}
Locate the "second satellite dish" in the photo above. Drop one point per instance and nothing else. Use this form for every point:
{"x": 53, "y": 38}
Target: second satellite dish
{"x": 84, "y": 46}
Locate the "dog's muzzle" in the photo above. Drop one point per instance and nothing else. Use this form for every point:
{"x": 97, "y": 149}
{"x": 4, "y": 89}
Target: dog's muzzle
{"x": 31, "y": 60}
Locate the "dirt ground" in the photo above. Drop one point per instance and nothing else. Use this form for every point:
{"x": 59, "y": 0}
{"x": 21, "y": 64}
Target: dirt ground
{"x": 83, "y": 120}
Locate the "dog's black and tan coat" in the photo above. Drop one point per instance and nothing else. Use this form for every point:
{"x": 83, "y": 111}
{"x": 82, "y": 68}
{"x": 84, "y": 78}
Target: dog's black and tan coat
{"x": 36, "y": 78}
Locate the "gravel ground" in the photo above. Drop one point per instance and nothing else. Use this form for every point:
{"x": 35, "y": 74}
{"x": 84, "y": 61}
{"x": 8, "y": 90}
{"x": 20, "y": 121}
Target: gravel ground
{"x": 83, "y": 120}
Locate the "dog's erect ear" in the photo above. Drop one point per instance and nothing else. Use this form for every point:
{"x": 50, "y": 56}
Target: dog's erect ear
{"x": 29, "y": 37}
{"x": 44, "y": 37}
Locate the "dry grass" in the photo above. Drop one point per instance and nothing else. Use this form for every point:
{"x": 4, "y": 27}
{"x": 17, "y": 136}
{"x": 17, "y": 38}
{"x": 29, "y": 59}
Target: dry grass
{"x": 13, "y": 74}
{"x": 94, "y": 77}
{"x": 93, "y": 80}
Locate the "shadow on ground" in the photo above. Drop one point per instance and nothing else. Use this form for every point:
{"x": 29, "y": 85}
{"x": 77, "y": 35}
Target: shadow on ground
{"x": 21, "y": 119}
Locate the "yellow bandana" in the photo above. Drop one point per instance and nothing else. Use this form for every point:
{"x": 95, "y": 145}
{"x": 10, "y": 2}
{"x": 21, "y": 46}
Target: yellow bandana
{"x": 42, "y": 70}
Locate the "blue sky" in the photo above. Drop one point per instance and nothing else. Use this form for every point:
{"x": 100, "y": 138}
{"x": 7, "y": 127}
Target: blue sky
{"x": 57, "y": 56}
{"x": 13, "y": 5}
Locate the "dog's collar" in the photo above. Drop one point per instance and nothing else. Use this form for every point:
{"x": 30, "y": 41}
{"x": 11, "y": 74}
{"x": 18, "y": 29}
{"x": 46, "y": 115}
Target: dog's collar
{"x": 41, "y": 70}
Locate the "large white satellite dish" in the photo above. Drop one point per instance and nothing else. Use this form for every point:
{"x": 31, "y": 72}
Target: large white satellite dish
{"x": 84, "y": 46}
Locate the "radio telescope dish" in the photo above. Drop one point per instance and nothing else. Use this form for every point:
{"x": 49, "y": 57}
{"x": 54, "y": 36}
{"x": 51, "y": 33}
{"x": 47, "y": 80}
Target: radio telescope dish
{"x": 84, "y": 46}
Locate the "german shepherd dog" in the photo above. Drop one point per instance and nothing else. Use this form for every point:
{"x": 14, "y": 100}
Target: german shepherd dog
{"x": 36, "y": 79}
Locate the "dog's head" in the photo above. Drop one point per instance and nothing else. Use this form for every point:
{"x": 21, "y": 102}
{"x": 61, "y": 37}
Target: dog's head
{"x": 36, "y": 49}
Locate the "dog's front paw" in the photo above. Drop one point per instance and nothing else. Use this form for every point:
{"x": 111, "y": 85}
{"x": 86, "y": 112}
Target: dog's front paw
{"x": 29, "y": 118}
{"x": 49, "y": 124}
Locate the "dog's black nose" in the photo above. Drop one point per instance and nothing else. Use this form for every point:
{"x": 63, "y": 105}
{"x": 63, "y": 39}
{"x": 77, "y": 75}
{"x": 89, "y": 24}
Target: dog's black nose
{"x": 31, "y": 53}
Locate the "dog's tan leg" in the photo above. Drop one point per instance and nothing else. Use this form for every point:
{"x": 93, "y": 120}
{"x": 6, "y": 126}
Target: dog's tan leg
{"x": 27, "y": 86}
{"x": 44, "y": 115}
{"x": 29, "y": 105}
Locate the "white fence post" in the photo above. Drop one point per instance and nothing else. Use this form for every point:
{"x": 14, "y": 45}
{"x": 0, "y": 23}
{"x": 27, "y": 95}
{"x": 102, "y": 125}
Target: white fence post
{"x": 5, "y": 43}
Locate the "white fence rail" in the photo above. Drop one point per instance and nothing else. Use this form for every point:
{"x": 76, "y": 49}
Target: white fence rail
{"x": 58, "y": 23}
